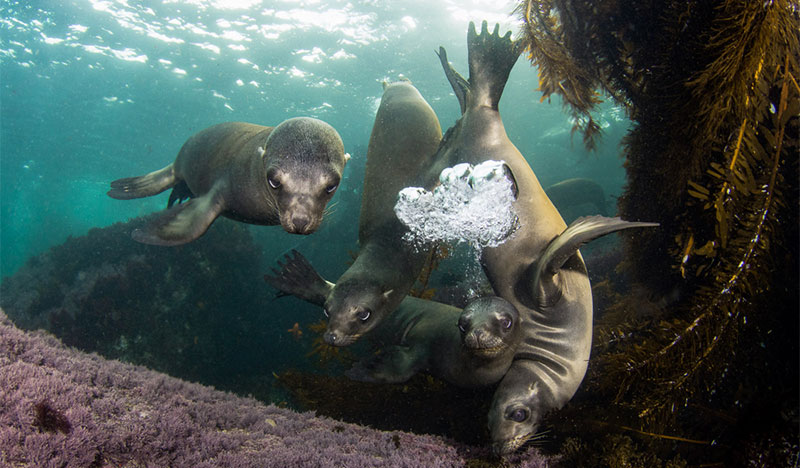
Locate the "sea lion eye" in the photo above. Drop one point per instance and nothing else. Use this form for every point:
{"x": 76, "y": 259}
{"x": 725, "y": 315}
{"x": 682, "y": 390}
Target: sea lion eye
{"x": 325, "y": 311}
{"x": 273, "y": 182}
{"x": 331, "y": 188}
{"x": 462, "y": 325}
{"x": 363, "y": 314}
{"x": 519, "y": 415}
{"x": 506, "y": 323}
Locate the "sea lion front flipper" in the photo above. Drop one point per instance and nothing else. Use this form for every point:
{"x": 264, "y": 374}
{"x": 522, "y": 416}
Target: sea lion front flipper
{"x": 182, "y": 223}
{"x": 297, "y": 277}
{"x": 143, "y": 186}
{"x": 395, "y": 364}
{"x": 547, "y": 291}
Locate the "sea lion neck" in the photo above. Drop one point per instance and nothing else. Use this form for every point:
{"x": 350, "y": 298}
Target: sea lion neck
{"x": 257, "y": 167}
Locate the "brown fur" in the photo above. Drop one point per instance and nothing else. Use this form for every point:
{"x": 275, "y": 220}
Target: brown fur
{"x": 226, "y": 170}
{"x": 404, "y": 138}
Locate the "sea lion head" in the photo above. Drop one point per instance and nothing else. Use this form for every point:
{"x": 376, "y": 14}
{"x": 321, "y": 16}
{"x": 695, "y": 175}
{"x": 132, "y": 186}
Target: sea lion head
{"x": 489, "y": 326}
{"x": 304, "y": 160}
{"x": 353, "y": 308}
{"x": 515, "y": 413}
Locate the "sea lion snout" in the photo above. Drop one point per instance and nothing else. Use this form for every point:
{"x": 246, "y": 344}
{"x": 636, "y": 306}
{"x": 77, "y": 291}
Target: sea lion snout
{"x": 338, "y": 339}
{"x": 330, "y": 338}
{"x": 299, "y": 223}
{"x": 301, "y": 203}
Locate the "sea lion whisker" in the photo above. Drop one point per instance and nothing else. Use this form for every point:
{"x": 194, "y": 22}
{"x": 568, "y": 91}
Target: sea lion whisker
{"x": 330, "y": 209}
{"x": 541, "y": 435}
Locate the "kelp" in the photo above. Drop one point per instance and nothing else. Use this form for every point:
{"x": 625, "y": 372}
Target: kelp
{"x": 711, "y": 88}
{"x": 390, "y": 407}
{"x": 438, "y": 253}
{"x": 322, "y": 354}
{"x": 559, "y": 73}
{"x": 734, "y": 263}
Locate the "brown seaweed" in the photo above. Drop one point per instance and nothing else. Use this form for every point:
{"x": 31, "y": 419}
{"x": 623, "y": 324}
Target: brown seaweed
{"x": 711, "y": 88}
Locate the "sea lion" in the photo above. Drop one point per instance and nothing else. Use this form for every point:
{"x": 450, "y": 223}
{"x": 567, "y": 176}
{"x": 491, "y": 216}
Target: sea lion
{"x": 579, "y": 191}
{"x": 250, "y": 173}
{"x": 555, "y": 307}
{"x": 404, "y": 137}
{"x": 551, "y": 360}
{"x": 468, "y": 347}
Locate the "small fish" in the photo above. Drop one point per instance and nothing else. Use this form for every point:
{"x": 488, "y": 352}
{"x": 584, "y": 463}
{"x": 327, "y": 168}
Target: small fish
{"x": 296, "y": 331}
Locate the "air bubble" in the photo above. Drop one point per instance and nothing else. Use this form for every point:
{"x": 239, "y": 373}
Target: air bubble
{"x": 473, "y": 205}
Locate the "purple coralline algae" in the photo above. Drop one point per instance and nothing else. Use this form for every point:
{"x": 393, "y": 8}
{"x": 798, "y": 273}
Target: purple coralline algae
{"x": 60, "y": 407}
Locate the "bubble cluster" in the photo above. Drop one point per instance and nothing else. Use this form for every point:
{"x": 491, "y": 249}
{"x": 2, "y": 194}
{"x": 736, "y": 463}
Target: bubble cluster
{"x": 472, "y": 204}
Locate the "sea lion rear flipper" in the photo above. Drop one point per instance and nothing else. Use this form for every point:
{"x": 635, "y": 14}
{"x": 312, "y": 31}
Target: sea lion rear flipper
{"x": 565, "y": 245}
{"x": 143, "y": 186}
{"x": 180, "y": 192}
{"x": 298, "y": 278}
{"x": 459, "y": 84}
{"x": 181, "y": 223}
{"x": 491, "y": 58}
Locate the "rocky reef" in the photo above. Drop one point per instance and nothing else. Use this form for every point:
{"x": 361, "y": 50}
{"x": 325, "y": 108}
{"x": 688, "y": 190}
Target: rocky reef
{"x": 196, "y": 311}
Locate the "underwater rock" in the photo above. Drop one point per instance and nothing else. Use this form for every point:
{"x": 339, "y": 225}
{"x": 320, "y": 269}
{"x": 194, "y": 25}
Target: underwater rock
{"x": 569, "y": 194}
{"x": 184, "y": 310}
{"x": 124, "y": 415}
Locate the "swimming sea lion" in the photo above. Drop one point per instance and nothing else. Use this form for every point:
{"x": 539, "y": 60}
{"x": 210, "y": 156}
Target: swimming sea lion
{"x": 578, "y": 191}
{"x": 404, "y": 137}
{"x": 250, "y": 173}
{"x": 467, "y": 347}
{"x": 555, "y": 307}
{"x": 551, "y": 361}
{"x": 476, "y": 353}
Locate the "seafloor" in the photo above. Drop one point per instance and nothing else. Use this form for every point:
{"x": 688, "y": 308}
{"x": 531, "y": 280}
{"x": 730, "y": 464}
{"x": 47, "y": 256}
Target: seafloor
{"x": 64, "y": 408}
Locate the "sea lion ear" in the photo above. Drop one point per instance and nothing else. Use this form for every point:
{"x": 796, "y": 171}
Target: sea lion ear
{"x": 387, "y": 294}
{"x": 510, "y": 175}
{"x": 346, "y": 157}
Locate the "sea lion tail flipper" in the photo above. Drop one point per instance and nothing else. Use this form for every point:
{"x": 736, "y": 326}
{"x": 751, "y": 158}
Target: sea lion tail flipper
{"x": 459, "y": 84}
{"x": 491, "y": 58}
{"x": 181, "y": 223}
{"x": 143, "y": 186}
{"x": 297, "y": 277}
{"x": 395, "y": 364}
{"x": 565, "y": 245}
